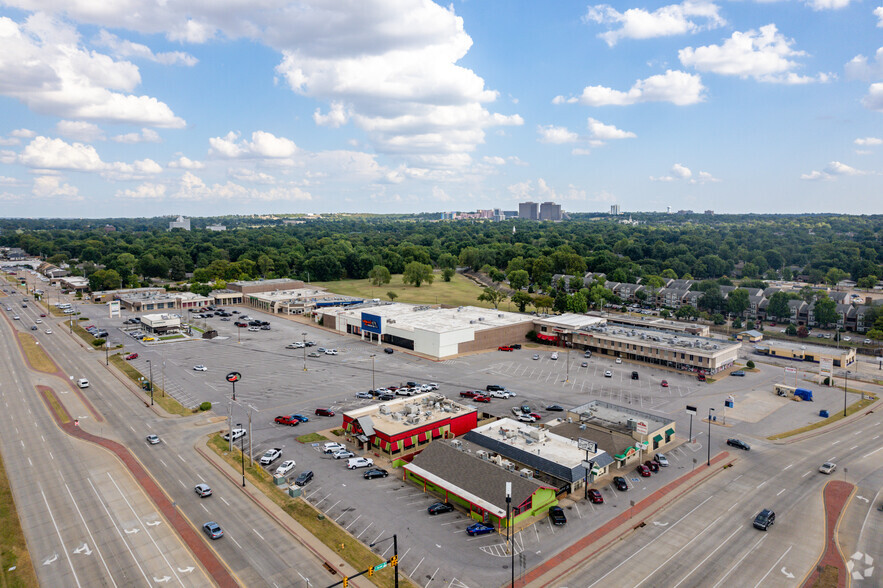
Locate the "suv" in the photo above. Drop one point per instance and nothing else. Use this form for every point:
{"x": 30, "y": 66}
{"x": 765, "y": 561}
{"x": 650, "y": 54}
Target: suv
{"x": 83, "y": 383}
{"x": 359, "y": 462}
{"x": 495, "y": 388}
{"x": 332, "y": 446}
{"x": 304, "y": 478}
{"x": 324, "y": 412}
{"x": 287, "y": 420}
{"x": 634, "y": 375}
{"x": 764, "y": 519}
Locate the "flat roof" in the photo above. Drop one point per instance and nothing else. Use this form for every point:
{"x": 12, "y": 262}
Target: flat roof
{"x": 571, "y": 321}
{"x": 409, "y": 317}
{"x": 410, "y": 412}
{"x": 299, "y": 294}
{"x": 613, "y": 416}
{"x": 664, "y": 339}
{"x": 536, "y": 441}
{"x": 812, "y": 349}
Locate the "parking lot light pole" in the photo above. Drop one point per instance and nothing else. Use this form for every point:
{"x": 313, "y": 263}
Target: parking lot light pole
{"x": 304, "y": 335}
{"x": 845, "y": 386}
{"x": 509, "y": 531}
{"x": 372, "y": 372}
{"x": 242, "y": 451}
{"x": 708, "y": 459}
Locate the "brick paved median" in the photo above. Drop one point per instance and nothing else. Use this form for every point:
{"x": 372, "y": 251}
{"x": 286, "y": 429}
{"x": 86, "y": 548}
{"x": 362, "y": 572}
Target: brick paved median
{"x": 837, "y": 494}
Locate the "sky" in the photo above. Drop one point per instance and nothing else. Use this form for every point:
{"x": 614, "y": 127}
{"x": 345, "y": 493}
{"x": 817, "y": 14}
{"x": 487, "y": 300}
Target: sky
{"x": 213, "y": 107}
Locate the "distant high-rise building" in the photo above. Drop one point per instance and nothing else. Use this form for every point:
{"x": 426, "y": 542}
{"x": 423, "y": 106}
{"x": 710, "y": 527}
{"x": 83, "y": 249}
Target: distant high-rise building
{"x": 180, "y": 223}
{"x": 709, "y": 212}
{"x": 614, "y": 209}
{"x": 550, "y": 211}
{"x": 668, "y": 210}
{"x": 529, "y": 210}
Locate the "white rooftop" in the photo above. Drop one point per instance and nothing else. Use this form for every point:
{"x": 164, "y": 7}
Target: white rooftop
{"x": 536, "y": 440}
{"x": 407, "y": 412}
{"x": 409, "y": 317}
{"x": 572, "y": 321}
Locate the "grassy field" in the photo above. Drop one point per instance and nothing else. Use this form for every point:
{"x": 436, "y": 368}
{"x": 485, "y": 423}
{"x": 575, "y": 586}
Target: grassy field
{"x": 35, "y": 354}
{"x": 329, "y": 533}
{"x": 854, "y": 407}
{"x": 459, "y": 291}
{"x": 169, "y": 404}
{"x": 16, "y": 569}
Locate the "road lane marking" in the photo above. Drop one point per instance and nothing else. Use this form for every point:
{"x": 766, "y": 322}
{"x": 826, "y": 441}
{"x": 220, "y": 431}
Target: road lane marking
{"x": 431, "y": 577}
{"x": 872, "y": 453}
{"x": 736, "y": 565}
{"x": 780, "y": 492}
{"x": 258, "y": 534}
{"x": 225, "y": 502}
{"x": 683, "y": 547}
{"x": 181, "y": 458}
{"x": 762, "y": 483}
{"x": 774, "y": 566}
{"x": 417, "y": 566}
{"x": 854, "y": 447}
{"x": 706, "y": 558}
{"x": 60, "y": 540}
{"x": 832, "y": 458}
{"x": 667, "y": 529}
{"x": 806, "y": 474}
{"x": 120, "y": 533}
{"x": 785, "y": 468}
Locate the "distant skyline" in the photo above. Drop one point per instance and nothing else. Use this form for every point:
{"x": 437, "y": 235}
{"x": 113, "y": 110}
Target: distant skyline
{"x": 124, "y": 109}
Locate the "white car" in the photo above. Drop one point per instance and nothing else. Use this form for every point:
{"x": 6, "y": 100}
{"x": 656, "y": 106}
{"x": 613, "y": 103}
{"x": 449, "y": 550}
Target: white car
{"x": 237, "y": 433}
{"x": 254, "y": 329}
{"x": 270, "y": 456}
{"x": 331, "y": 352}
{"x": 432, "y": 386}
{"x": 847, "y": 338}
{"x": 608, "y": 374}
{"x": 285, "y": 467}
{"x": 83, "y": 383}
{"x": 405, "y": 391}
{"x": 867, "y": 341}
{"x": 38, "y": 321}
{"x": 618, "y": 360}
{"x": 332, "y": 446}
{"x": 662, "y": 460}
{"x": 48, "y": 331}
{"x": 499, "y": 394}
{"x": 526, "y": 418}
{"x": 359, "y": 462}
{"x": 295, "y": 345}
{"x": 554, "y": 356}
{"x": 200, "y": 368}
{"x": 828, "y": 467}
{"x": 152, "y": 439}
{"x": 343, "y": 453}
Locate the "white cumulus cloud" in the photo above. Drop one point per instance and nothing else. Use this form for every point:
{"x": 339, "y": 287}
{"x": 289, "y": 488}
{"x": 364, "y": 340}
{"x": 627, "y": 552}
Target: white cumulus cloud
{"x": 827, "y": 4}
{"x": 186, "y": 163}
{"x": 45, "y": 153}
{"x": 262, "y": 145}
{"x": 873, "y": 100}
{"x": 638, "y": 23}
{"x": 878, "y": 12}
{"x": 145, "y": 191}
{"x": 556, "y": 135}
{"x": 192, "y": 187}
{"x": 832, "y": 171}
{"x": 607, "y": 132}
{"x": 80, "y": 130}
{"x": 868, "y": 141}
{"x": 123, "y": 48}
{"x": 765, "y": 55}
{"x": 45, "y": 67}
{"x": 861, "y": 68}
{"x": 335, "y": 118}
{"x": 145, "y": 136}
{"x": 52, "y": 186}
{"x": 677, "y": 87}
{"x": 680, "y": 172}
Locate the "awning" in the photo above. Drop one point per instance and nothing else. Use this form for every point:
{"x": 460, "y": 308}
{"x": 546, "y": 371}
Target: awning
{"x": 421, "y": 437}
{"x": 669, "y": 432}
{"x": 544, "y": 337}
{"x": 362, "y": 438}
{"x": 366, "y": 424}
{"x": 657, "y": 438}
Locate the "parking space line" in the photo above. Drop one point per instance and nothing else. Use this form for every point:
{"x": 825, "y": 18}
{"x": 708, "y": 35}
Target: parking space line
{"x": 365, "y": 529}
{"x": 351, "y": 524}
{"x": 378, "y": 536}
{"x": 330, "y": 508}
{"x": 431, "y": 577}
{"x": 415, "y": 567}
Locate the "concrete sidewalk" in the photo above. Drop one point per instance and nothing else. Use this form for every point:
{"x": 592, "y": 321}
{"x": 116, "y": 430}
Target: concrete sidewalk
{"x": 564, "y": 563}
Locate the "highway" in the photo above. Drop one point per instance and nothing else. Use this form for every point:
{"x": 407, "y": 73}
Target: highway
{"x": 70, "y": 493}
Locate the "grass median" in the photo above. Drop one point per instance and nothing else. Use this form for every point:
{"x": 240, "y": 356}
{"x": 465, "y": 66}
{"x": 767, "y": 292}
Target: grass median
{"x": 355, "y": 553}
{"x": 37, "y": 358}
{"x": 168, "y": 404}
{"x": 851, "y": 409}
{"x": 16, "y": 568}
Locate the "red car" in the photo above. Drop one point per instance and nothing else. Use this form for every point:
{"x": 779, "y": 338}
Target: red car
{"x": 654, "y": 467}
{"x": 536, "y": 416}
{"x": 701, "y": 377}
{"x": 42, "y": 314}
{"x": 240, "y": 324}
{"x": 480, "y": 398}
{"x": 644, "y": 471}
{"x": 324, "y": 412}
{"x": 467, "y": 394}
{"x": 665, "y": 383}
{"x": 595, "y": 497}
{"x": 505, "y": 348}
{"x": 132, "y": 356}
{"x": 287, "y": 420}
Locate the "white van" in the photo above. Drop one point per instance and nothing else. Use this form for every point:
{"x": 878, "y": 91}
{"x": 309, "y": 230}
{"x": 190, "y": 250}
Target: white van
{"x": 83, "y": 383}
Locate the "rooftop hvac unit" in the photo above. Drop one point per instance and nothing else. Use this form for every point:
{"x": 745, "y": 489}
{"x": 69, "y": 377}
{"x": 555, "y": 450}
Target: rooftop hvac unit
{"x": 481, "y": 454}
{"x": 497, "y": 460}
{"x": 471, "y": 322}
{"x": 526, "y": 473}
{"x": 457, "y": 444}
{"x": 632, "y": 424}
{"x": 581, "y": 427}
{"x": 569, "y": 419}
{"x": 396, "y": 416}
{"x": 509, "y": 466}
{"x": 384, "y": 409}
{"x": 535, "y": 434}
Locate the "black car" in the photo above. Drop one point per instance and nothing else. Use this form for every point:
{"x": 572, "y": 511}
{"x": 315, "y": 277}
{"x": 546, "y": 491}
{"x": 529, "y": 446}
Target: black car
{"x": 440, "y": 507}
{"x": 555, "y": 408}
{"x": 620, "y": 483}
{"x": 764, "y": 519}
{"x": 634, "y": 375}
{"x": 375, "y": 473}
{"x": 387, "y": 396}
{"x": 387, "y": 350}
{"x": 515, "y": 346}
{"x": 556, "y": 515}
{"x": 739, "y": 444}
{"x": 304, "y": 478}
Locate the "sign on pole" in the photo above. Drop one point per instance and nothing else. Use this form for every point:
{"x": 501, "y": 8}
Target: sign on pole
{"x": 790, "y": 370}
{"x": 586, "y": 445}
{"x": 691, "y": 409}
{"x": 234, "y": 377}
{"x": 642, "y": 428}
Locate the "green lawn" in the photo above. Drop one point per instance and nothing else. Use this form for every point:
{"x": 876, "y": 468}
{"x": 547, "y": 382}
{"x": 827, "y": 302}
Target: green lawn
{"x": 459, "y": 291}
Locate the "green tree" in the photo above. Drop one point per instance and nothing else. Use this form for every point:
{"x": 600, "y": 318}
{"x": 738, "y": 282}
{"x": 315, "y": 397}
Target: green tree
{"x": 560, "y": 303}
{"x": 496, "y": 275}
{"x": 416, "y": 273}
{"x": 177, "y": 268}
{"x": 379, "y": 275}
{"x": 518, "y": 280}
{"x": 737, "y": 302}
{"x": 778, "y": 306}
{"x": 577, "y": 303}
{"x": 448, "y": 273}
{"x": 493, "y": 296}
{"x": 825, "y": 311}
{"x": 521, "y": 300}
{"x": 867, "y": 282}
{"x": 791, "y": 330}
{"x": 669, "y": 273}
{"x": 718, "y": 319}
{"x": 834, "y": 275}
{"x": 542, "y": 302}
{"x": 712, "y": 300}
{"x": 447, "y": 260}
{"x": 392, "y": 295}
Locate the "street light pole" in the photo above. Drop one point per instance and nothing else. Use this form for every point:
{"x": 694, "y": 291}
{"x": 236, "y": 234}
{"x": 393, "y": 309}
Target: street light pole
{"x": 845, "y": 386}
{"x": 708, "y": 459}
{"x": 509, "y": 530}
{"x": 304, "y": 336}
{"x": 242, "y": 452}
{"x": 151, "y": 381}
{"x": 372, "y": 372}
{"x": 106, "y": 358}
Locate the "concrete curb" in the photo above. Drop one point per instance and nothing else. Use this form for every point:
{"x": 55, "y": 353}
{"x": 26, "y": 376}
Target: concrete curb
{"x": 618, "y": 528}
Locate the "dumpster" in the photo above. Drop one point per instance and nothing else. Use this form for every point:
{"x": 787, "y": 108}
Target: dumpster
{"x": 823, "y": 414}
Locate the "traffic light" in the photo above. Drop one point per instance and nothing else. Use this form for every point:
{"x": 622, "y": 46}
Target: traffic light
{"x": 370, "y": 571}
{"x": 394, "y": 560}
{"x": 346, "y": 582}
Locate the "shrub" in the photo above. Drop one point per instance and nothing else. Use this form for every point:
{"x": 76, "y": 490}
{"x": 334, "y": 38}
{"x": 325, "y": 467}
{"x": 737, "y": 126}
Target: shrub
{"x": 98, "y": 342}
{"x": 205, "y": 405}
{"x": 827, "y": 381}
{"x": 531, "y": 336}
{"x": 750, "y": 365}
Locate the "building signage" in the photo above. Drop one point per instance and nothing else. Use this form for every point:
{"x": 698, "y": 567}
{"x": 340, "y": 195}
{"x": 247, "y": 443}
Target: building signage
{"x": 234, "y": 377}
{"x": 691, "y": 409}
{"x": 791, "y": 370}
{"x": 642, "y": 428}
{"x": 371, "y": 323}
{"x": 586, "y": 445}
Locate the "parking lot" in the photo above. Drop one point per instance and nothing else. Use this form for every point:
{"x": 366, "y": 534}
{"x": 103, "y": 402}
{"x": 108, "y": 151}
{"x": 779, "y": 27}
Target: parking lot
{"x": 434, "y": 550}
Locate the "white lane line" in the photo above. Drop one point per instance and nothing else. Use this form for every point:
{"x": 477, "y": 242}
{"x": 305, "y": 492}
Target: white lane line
{"x": 773, "y": 566}
{"x": 163, "y": 463}
{"x": 836, "y": 442}
{"x": 95, "y": 543}
{"x": 780, "y": 492}
{"x": 365, "y": 529}
{"x": 853, "y": 448}
{"x": 60, "y": 540}
{"x": 258, "y": 534}
{"x": 351, "y": 524}
{"x": 225, "y": 502}
{"x": 667, "y": 529}
{"x": 119, "y": 532}
{"x": 762, "y": 483}
{"x": 182, "y": 484}
{"x": 378, "y": 536}
{"x": 673, "y": 555}
{"x": 146, "y": 529}
{"x": 806, "y": 474}
{"x": 832, "y": 458}
{"x": 181, "y": 458}
{"x": 415, "y": 567}
{"x": 788, "y": 467}
{"x": 431, "y": 577}
{"x": 736, "y": 565}
{"x": 706, "y": 558}
{"x": 872, "y": 453}
{"x": 234, "y": 541}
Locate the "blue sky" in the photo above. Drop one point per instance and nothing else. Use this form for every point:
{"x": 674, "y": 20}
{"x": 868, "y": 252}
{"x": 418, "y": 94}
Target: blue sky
{"x": 135, "y": 108}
